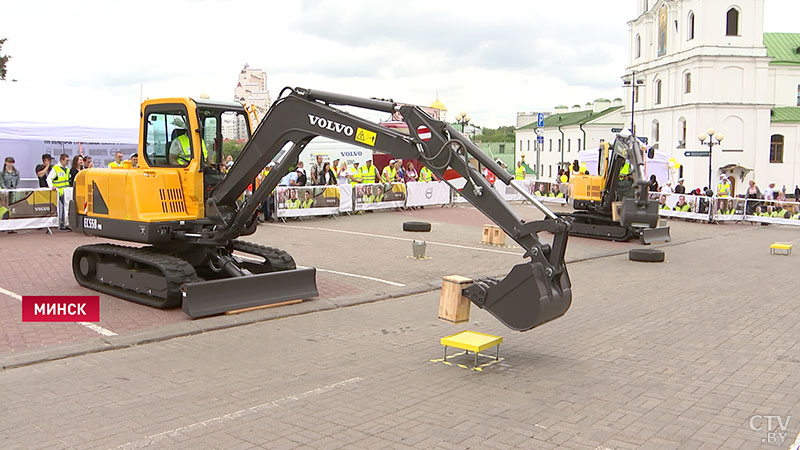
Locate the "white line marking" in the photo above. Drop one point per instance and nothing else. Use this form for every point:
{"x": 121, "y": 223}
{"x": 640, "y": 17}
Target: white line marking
{"x": 235, "y": 415}
{"x": 92, "y": 326}
{"x": 400, "y": 239}
{"x": 354, "y": 275}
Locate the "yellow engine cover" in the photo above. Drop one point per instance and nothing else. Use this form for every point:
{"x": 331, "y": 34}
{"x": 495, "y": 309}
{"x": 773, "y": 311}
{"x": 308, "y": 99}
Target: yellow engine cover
{"x": 587, "y": 187}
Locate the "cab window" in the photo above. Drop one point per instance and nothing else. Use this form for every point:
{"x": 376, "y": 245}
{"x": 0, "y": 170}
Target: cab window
{"x": 167, "y": 142}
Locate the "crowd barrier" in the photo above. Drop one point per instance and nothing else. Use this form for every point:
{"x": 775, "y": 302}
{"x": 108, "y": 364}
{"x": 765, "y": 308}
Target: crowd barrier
{"x": 722, "y": 209}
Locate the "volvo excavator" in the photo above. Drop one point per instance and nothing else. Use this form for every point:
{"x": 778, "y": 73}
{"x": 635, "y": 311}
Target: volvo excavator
{"x": 595, "y": 197}
{"x": 190, "y": 216}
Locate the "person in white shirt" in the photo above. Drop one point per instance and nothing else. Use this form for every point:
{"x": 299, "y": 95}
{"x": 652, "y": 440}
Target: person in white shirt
{"x": 58, "y": 180}
{"x": 667, "y": 188}
{"x": 769, "y": 193}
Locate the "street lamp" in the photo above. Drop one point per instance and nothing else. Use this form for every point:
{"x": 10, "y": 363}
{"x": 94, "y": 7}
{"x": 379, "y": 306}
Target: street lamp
{"x": 635, "y": 84}
{"x": 463, "y": 119}
{"x": 709, "y": 136}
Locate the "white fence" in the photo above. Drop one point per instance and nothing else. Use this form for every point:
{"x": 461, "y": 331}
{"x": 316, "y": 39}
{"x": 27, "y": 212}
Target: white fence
{"x": 722, "y": 209}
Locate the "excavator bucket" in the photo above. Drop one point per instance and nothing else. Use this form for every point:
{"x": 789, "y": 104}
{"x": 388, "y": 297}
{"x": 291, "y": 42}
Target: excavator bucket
{"x": 525, "y": 298}
{"x": 632, "y": 213}
{"x": 206, "y": 298}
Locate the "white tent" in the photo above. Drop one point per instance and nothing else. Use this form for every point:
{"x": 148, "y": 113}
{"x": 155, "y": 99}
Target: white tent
{"x": 658, "y": 165}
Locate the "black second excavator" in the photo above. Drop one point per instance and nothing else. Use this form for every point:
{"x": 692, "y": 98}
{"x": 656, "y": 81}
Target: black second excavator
{"x": 190, "y": 216}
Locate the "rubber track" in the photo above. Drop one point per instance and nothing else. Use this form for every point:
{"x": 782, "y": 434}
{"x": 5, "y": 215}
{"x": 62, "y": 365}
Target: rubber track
{"x": 278, "y": 259}
{"x": 176, "y": 271}
{"x": 585, "y": 219}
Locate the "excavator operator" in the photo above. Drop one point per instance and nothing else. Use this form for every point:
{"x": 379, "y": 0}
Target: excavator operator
{"x": 180, "y": 150}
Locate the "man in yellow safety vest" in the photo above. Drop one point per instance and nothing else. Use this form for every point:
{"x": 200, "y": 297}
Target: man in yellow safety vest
{"x": 389, "y": 173}
{"x": 355, "y": 174}
{"x": 724, "y": 187}
{"x": 58, "y": 180}
{"x": 117, "y": 162}
{"x": 182, "y": 148}
{"x": 425, "y": 174}
{"x": 519, "y": 172}
{"x": 369, "y": 174}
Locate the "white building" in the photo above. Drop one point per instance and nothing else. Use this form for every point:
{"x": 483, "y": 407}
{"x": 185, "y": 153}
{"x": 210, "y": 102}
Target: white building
{"x": 252, "y": 89}
{"x": 708, "y": 64}
{"x": 565, "y": 133}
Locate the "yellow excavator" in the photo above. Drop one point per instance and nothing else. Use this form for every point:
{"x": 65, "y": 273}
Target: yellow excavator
{"x": 189, "y": 216}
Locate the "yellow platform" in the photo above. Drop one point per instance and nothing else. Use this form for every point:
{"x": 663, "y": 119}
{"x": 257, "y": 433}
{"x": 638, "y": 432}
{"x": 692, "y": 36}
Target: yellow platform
{"x": 472, "y": 341}
{"x": 773, "y": 249}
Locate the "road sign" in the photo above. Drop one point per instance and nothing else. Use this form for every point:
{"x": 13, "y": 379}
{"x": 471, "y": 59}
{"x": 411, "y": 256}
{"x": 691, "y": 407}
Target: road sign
{"x": 700, "y": 153}
{"x": 540, "y": 120}
{"x": 616, "y": 130}
{"x": 540, "y": 139}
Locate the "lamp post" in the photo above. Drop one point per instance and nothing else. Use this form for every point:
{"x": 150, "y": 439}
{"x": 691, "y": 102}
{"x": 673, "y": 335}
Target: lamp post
{"x": 463, "y": 119}
{"x": 634, "y": 84}
{"x": 709, "y": 136}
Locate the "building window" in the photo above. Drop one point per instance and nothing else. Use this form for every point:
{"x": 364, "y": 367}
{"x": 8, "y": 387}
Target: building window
{"x": 687, "y": 83}
{"x": 529, "y": 145}
{"x": 502, "y": 147}
{"x": 690, "y": 27}
{"x": 520, "y": 144}
{"x": 549, "y": 171}
{"x": 798, "y": 95}
{"x": 682, "y": 128}
{"x": 569, "y": 145}
{"x": 776, "y": 148}
{"x": 654, "y": 131}
{"x": 636, "y": 94}
{"x": 560, "y": 149}
{"x": 658, "y": 92}
{"x": 638, "y": 46}
{"x": 579, "y": 145}
{"x": 551, "y": 145}
{"x": 732, "y": 22}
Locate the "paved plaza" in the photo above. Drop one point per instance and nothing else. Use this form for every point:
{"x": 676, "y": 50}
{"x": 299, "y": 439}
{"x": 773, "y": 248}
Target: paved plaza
{"x": 698, "y": 352}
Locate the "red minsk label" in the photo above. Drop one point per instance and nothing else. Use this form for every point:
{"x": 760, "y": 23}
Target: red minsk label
{"x": 60, "y": 308}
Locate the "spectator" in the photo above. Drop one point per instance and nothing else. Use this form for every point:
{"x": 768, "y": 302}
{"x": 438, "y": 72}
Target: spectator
{"x": 369, "y": 174}
{"x": 724, "y": 187}
{"x": 781, "y": 197}
{"x": 769, "y": 193}
{"x": 355, "y": 174}
{"x": 680, "y": 188}
{"x": 389, "y": 173}
{"x": 87, "y": 162}
{"x": 77, "y": 166}
{"x": 753, "y": 193}
{"x": 58, "y": 180}
{"x": 302, "y": 179}
{"x": 667, "y": 187}
{"x": 43, "y": 169}
{"x": 796, "y": 193}
{"x": 335, "y": 167}
{"x": 401, "y": 172}
{"x": 411, "y": 173}
{"x": 316, "y": 169}
{"x": 10, "y": 176}
{"x": 653, "y": 184}
{"x": 308, "y": 202}
{"x": 135, "y": 160}
{"x": 325, "y": 176}
{"x": 117, "y": 162}
{"x": 291, "y": 179}
{"x": 425, "y": 174}
{"x": 343, "y": 174}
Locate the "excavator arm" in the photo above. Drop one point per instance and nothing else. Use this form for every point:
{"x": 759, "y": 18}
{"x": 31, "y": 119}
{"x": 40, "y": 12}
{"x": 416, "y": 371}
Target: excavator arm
{"x": 533, "y": 292}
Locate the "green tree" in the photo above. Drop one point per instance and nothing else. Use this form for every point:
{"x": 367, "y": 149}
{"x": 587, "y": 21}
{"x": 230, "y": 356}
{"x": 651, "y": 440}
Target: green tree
{"x": 232, "y": 148}
{"x": 501, "y": 134}
{"x": 3, "y": 60}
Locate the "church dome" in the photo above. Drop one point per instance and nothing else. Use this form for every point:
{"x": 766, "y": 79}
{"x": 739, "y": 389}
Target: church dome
{"x": 438, "y": 105}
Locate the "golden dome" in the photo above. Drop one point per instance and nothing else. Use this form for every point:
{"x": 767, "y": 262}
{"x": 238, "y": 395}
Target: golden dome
{"x": 438, "y": 105}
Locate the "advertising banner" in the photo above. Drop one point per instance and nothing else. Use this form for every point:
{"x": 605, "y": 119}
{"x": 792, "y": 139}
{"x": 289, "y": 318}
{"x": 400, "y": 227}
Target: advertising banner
{"x": 429, "y": 193}
{"x": 345, "y": 198}
{"x": 28, "y": 208}
{"x": 680, "y": 205}
{"x": 306, "y": 201}
{"x": 546, "y": 191}
{"x": 727, "y": 208}
{"x": 771, "y": 211}
{"x": 380, "y": 196}
{"x": 508, "y": 192}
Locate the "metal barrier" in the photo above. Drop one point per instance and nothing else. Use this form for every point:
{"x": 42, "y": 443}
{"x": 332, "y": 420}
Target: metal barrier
{"x": 727, "y": 209}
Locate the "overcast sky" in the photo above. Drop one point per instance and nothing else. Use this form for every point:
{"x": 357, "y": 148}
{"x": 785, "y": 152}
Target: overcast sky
{"x": 86, "y": 62}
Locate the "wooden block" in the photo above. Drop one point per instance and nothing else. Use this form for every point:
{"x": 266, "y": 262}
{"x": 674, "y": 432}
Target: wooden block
{"x": 253, "y": 308}
{"x": 486, "y": 237}
{"x": 498, "y": 236}
{"x": 454, "y": 307}
{"x": 615, "y": 211}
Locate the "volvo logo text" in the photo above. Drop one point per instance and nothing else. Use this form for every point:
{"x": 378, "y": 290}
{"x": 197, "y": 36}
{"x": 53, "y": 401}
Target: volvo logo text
{"x": 322, "y": 122}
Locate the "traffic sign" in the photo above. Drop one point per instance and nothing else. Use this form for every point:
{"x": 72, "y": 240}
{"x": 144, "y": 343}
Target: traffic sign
{"x": 616, "y": 130}
{"x": 700, "y": 153}
{"x": 540, "y": 139}
{"x": 540, "y": 120}
{"x": 424, "y": 133}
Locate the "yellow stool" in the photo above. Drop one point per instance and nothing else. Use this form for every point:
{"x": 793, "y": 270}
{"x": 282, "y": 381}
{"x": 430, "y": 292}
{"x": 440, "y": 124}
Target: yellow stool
{"x": 773, "y": 249}
{"x": 472, "y": 341}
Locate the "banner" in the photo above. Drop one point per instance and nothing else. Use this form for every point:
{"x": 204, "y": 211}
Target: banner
{"x": 546, "y": 191}
{"x": 681, "y": 205}
{"x": 772, "y": 211}
{"x": 508, "y": 192}
{"x": 28, "y": 208}
{"x": 306, "y": 201}
{"x": 380, "y": 196}
{"x": 728, "y": 208}
{"x": 430, "y": 193}
{"x": 345, "y": 198}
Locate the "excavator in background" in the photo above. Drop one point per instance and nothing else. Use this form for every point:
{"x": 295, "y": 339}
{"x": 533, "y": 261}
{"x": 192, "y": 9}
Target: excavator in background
{"x": 600, "y": 203}
{"x": 190, "y": 217}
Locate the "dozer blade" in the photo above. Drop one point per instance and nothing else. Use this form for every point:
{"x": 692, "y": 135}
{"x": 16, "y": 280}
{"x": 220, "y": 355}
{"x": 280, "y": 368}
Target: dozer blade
{"x": 653, "y": 235}
{"x": 525, "y": 298}
{"x": 206, "y": 298}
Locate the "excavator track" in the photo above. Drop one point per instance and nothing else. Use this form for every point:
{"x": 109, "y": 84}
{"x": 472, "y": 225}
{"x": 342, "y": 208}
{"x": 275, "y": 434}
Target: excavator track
{"x": 141, "y": 275}
{"x": 274, "y": 259}
{"x": 598, "y": 227}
